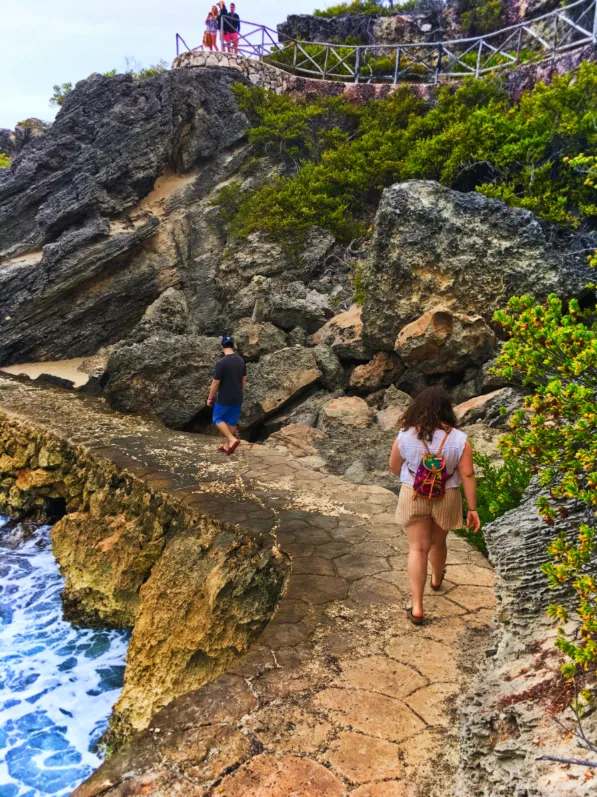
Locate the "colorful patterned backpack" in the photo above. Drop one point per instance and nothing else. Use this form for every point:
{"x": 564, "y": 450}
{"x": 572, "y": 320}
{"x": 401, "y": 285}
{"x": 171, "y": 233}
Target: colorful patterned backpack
{"x": 431, "y": 475}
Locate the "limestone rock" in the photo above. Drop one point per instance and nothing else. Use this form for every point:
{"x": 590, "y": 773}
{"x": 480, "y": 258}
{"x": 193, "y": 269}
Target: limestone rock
{"x": 346, "y": 411}
{"x": 72, "y": 215}
{"x": 487, "y": 408}
{"x": 383, "y": 369}
{"x": 433, "y": 246}
{"x": 389, "y": 418}
{"x": 344, "y": 333}
{"x": 253, "y": 339}
{"x": 275, "y": 380}
{"x": 440, "y": 341}
{"x": 165, "y": 375}
{"x": 168, "y": 314}
{"x": 303, "y": 410}
{"x": 484, "y": 440}
{"x": 333, "y": 375}
{"x": 298, "y": 439}
{"x": 297, "y": 337}
{"x": 294, "y": 305}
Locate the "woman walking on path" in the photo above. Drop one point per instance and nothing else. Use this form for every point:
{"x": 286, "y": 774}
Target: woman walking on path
{"x": 432, "y": 457}
{"x": 210, "y": 37}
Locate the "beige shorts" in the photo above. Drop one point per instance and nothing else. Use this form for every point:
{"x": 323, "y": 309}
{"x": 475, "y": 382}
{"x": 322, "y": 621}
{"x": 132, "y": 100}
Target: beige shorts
{"x": 446, "y": 512}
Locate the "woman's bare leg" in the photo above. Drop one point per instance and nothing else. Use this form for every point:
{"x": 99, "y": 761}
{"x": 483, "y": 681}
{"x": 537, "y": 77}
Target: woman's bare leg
{"x": 438, "y": 552}
{"x": 419, "y": 543}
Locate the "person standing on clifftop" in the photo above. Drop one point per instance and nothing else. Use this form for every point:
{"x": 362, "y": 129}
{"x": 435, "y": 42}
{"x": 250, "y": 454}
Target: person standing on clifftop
{"x": 229, "y": 383}
{"x": 210, "y": 37}
{"x": 231, "y": 30}
{"x": 433, "y": 457}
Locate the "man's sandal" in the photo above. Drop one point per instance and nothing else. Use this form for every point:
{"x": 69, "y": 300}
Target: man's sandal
{"x": 441, "y": 581}
{"x": 233, "y": 447}
{"x": 415, "y": 620}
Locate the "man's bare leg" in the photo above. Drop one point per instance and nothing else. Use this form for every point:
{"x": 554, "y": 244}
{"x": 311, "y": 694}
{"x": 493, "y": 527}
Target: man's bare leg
{"x": 226, "y": 431}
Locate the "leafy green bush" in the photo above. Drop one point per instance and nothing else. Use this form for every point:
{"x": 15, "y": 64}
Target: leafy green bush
{"x": 480, "y": 16}
{"x": 364, "y": 7}
{"x": 132, "y": 67}
{"x": 499, "y": 489}
{"x": 554, "y": 348}
{"x": 474, "y": 137}
{"x": 4, "y": 161}
{"x": 61, "y": 92}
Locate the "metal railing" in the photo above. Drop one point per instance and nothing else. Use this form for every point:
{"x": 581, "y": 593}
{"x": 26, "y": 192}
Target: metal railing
{"x": 533, "y": 41}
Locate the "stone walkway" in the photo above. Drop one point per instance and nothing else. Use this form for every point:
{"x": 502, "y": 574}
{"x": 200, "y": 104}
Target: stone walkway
{"x": 341, "y": 695}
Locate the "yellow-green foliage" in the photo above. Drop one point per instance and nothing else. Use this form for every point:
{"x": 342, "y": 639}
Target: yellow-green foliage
{"x": 480, "y": 16}
{"x": 4, "y": 161}
{"x": 364, "y": 7}
{"x": 554, "y": 349}
{"x": 341, "y": 155}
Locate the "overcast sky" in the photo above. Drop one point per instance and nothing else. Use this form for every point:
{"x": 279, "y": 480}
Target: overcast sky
{"x": 54, "y": 41}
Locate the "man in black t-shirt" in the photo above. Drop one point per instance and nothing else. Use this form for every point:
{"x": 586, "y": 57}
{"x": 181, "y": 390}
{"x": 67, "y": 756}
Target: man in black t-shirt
{"x": 229, "y": 382}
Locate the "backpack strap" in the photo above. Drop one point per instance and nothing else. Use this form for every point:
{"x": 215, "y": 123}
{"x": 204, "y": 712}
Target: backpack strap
{"x": 439, "y": 450}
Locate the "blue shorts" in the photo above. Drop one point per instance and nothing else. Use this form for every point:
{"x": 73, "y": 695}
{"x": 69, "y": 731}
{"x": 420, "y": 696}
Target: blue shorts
{"x": 228, "y": 415}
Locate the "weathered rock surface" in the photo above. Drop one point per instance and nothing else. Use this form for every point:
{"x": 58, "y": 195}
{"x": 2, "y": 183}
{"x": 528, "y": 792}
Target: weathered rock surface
{"x": 77, "y": 268}
{"x": 275, "y": 380}
{"x": 433, "y": 246}
{"x": 516, "y": 709}
{"x": 344, "y": 333}
{"x": 440, "y": 342}
{"x": 383, "y": 369}
{"x": 346, "y": 411}
{"x": 333, "y": 375}
{"x": 484, "y": 440}
{"x": 165, "y": 375}
{"x": 294, "y": 305}
{"x": 487, "y": 408}
{"x": 298, "y": 439}
{"x": 253, "y": 339}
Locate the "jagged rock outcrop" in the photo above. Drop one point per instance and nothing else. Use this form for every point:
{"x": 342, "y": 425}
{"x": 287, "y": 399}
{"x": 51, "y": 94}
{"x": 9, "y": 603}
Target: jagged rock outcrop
{"x": 515, "y": 711}
{"x": 275, "y": 380}
{"x": 419, "y": 25}
{"x": 435, "y": 246}
{"x": 77, "y": 266}
{"x": 253, "y": 338}
{"x": 440, "y": 342}
{"x": 344, "y": 333}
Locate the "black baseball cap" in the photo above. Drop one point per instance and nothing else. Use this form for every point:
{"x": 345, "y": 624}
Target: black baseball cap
{"x": 227, "y": 342}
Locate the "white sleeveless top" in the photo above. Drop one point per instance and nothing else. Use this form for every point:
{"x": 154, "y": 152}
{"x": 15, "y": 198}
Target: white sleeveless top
{"x": 412, "y": 449}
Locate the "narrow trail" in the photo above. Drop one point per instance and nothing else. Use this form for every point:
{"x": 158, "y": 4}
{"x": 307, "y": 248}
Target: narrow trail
{"x": 340, "y": 695}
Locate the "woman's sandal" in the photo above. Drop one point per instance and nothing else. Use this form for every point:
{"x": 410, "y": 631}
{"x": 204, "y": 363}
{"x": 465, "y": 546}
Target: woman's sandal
{"x": 441, "y": 581}
{"x": 415, "y": 620}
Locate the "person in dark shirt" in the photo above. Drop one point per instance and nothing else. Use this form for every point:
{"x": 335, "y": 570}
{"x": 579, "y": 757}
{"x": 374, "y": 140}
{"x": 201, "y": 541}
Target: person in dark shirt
{"x": 231, "y": 29}
{"x": 229, "y": 382}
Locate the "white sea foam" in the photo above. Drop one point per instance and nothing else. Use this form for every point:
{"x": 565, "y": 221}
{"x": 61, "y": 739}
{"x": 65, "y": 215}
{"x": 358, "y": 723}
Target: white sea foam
{"x": 57, "y": 683}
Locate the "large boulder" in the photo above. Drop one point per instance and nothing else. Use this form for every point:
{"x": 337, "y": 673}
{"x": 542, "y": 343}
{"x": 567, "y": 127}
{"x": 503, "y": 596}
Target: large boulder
{"x": 346, "y": 411}
{"x": 76, "y": 216}
{"x": 275, "y": 380}
{"x": 253, "y": 339}
{"x": 344, "y": 333}
{"x": 383, "y": 369}
{"x": 333, "y": 375}
{"x": 488, "y": 407}
{"x": 165, "y": 375}
{"x": 440, "y": 342}
{"x": 469, "y": 254}
{"x": 395, "y": 404}
{"x": 295, "y": 305}
{"x": 297, "y": 439}
{"x": 168, "y": 314}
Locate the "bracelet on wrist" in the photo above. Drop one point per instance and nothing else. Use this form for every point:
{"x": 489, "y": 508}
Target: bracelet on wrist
{"x": 470, "y": 509}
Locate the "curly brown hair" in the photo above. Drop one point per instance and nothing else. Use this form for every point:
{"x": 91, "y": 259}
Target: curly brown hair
{"x": 429, "y": 411}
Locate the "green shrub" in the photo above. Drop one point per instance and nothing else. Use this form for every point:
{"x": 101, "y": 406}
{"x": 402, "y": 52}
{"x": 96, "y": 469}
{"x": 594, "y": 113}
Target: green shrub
{"x": 553, "y": 347}
{"x": 132, "y": 67}
{"x": 474, "y": 137}
{"x": 61, "y": 92}
{"x": 499, "y": 489}
{"x": 480, "y": 16}
{"x": 363, "y": 7}
{"x": 4, "y": 161}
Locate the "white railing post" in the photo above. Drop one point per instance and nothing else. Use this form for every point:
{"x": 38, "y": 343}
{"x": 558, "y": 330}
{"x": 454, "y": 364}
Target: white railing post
{"x": 595, "y": 21}
{"x": 357, "y": 64}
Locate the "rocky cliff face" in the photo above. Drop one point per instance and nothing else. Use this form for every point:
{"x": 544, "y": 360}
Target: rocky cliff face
{"x": 518, "y": 709}
{"x": 80, "y": 256}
